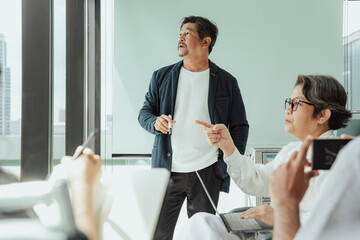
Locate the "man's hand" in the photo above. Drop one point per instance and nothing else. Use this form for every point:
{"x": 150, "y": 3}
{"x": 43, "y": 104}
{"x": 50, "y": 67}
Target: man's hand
{"x": 85, "y": 170}
{"x": 218, "y": 136}
{"x": 264, "y": 213}
{"x": 83, "y": 177}
{"x": 162, "y": 123}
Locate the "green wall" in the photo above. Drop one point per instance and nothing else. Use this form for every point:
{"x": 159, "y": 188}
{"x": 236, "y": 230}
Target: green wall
{"x": 264, "y": 44}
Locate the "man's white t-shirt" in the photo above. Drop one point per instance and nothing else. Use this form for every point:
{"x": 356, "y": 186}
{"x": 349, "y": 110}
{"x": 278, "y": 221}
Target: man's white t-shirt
{"x": 191, "y": 150}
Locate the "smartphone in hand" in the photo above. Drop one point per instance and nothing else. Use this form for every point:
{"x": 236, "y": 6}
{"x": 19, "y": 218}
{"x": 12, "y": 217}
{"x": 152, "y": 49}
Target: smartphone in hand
{"x": 325, "y": 152}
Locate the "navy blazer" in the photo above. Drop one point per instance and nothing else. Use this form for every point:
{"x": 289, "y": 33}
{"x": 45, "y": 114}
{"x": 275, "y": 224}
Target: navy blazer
{"x": 225, "y": 106}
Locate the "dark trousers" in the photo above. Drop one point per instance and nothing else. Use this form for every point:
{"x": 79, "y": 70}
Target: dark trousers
{"x": 187, "y": 185}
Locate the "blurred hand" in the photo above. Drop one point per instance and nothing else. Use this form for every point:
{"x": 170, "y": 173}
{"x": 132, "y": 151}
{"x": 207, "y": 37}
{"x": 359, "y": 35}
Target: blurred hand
{"x": 85, "y": 170}
{"x": 218, "y": 136}
{"x": 346, "y": 136}
{"x": 289, "y": 182}
{"x": 265, "y": 213}
{"x": 162, "y": 123}
{"x": 83, "y": 177}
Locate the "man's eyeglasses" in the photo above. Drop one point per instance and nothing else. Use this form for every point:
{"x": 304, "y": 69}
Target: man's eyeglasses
{"x": 294, "y": 103}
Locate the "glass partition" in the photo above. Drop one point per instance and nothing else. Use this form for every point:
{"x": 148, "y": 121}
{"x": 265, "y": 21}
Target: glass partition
{"x": 59, "y": 56}
{"x": 10, "y": 85}
{"x": 351, "y": 40}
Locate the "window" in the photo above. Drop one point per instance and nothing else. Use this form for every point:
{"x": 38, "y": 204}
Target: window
{"x": 59, "y": 80}
{"x": 106, "y": 81}
{"x": 351, "y": 41}
{"x": 10, "y": 85}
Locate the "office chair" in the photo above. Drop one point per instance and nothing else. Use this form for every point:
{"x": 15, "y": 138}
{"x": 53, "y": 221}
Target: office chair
{"x": 243, "y": 209}
{"x": 20, "y": 196}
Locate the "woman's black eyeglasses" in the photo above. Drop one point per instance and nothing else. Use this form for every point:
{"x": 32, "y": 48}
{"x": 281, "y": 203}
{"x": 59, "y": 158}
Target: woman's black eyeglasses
{"x": 294, "y": 103}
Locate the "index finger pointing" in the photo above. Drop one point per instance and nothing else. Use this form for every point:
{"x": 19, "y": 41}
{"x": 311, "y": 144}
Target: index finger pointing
{"x": 204, "y": 124}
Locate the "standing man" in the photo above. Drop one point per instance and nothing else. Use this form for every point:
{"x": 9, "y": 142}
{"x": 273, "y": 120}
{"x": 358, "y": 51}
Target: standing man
{"x": 192, "y": 89}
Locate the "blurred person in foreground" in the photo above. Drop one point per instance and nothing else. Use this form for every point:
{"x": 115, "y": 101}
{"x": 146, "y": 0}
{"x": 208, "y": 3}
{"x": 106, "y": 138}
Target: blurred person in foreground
{"x": 336, "y": 214}
{"x": 83, "y": 176}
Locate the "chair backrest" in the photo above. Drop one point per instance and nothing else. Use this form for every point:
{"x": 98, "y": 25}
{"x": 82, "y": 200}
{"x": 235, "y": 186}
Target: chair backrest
{"x": 21, "y": 196}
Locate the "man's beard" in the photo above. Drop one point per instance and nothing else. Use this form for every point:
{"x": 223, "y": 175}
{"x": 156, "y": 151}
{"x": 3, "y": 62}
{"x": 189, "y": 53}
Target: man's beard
{"x": 183, "y": 53}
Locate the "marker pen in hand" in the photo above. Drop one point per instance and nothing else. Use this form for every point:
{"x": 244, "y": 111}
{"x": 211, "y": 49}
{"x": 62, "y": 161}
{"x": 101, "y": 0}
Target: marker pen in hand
{"x": 91, "y": 136}
{"x": 169, "y": 126}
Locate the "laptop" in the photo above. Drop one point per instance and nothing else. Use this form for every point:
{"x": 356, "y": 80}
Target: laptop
{"x": 233, "y": 222}
{"x": 135, "y": 198}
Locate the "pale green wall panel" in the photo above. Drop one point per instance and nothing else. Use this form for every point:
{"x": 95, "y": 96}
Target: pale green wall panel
{"x": 264, "y": 44}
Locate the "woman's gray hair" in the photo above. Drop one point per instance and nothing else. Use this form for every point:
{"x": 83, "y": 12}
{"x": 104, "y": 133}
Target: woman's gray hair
{"x": 325, "y": 92}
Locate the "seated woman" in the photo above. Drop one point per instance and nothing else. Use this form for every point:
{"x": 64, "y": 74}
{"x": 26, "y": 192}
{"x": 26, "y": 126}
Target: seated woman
{"x": 316, "y": 107}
